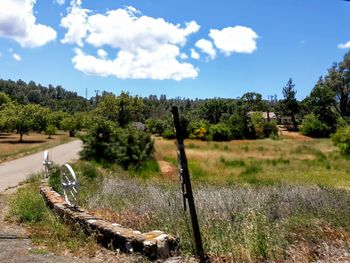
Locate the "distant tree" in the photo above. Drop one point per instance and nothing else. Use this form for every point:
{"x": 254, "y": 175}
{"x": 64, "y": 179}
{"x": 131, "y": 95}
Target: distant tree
{"x": 289, "y": 106}
{"x": 50, "y": 130}
{"x": 4, "y": 100}
{"x": 322, "y": 104}
{"x": 24, "y": 118}
{"x": 338, "y": 79}
{"x": 72, "y": 124}
{"x": 212, "y": 110}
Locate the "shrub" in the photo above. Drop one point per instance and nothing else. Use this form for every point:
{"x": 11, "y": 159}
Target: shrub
{"x": 168, "y": 134}
{"x": 342, "y": 139}
{"x": 237, "y": 126}
{"x": 105, "y": 142}
{"x": 313, "y": 127}
{"x": 156, "y": 126}
{"x": 270, "y": 129}
{"x": 220, "y": 132}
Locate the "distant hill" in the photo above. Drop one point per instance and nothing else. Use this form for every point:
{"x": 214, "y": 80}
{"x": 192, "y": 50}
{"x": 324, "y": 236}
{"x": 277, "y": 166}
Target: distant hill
{"x": 55, "y": 98}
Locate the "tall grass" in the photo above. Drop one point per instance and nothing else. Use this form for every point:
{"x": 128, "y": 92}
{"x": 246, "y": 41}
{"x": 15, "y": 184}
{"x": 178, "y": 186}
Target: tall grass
{"x": 239, "y": 222}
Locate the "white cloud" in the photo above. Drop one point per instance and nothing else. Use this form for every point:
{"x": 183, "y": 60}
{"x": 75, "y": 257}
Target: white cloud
{"x": 60, "y": 2}
{"x": 102, "y": 53}
{"x": 76, "y": 24}
{"x": 237, "y": 39}
{"x": 344, "y": 45}
{"x": 18, "y": 22}
{"x": 159, "y": 64}
{"x": 194, "y": 54}
{"x": 183, "y": 56}
{"x": 206, "y": 46}
{"x": 17, "y": 57}
{"x": 146, "y": 47}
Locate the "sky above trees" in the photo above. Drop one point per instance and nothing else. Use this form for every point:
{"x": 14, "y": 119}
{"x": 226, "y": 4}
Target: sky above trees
{"x": 181, "y": 48}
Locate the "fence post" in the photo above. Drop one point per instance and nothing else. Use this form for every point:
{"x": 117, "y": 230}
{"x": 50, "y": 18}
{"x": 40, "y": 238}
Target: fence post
{"x": 185, "y": 177}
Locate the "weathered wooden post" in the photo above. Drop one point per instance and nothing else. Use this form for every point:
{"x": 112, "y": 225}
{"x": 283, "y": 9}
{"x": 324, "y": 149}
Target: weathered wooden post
{"x": 186, "y": 184}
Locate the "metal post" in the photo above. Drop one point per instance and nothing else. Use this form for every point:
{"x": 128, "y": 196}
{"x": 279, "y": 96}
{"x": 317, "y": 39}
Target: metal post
{"x": 187, "y": 183}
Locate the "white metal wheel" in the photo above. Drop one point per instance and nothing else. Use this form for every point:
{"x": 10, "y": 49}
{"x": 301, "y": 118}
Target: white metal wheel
{"x": 69, "y": 184}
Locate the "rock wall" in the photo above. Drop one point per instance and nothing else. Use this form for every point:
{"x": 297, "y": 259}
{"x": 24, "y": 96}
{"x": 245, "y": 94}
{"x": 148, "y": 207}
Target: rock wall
{"x": 154, "y": 245}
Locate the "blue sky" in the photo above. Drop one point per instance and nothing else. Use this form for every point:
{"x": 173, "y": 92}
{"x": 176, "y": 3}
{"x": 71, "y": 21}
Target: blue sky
{"x": 202, "y": 49}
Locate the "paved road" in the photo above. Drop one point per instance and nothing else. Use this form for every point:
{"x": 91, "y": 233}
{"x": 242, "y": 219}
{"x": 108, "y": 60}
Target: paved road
{"x": 16, "y": 171}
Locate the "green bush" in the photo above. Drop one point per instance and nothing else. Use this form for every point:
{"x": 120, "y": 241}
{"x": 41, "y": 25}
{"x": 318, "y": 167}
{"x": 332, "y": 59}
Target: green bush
{"x": 270, "y": 129}
{"x": 313, "y": 127}
{"x": 50, "y": 130}
{"x": 220, "y": 132}
{"x": 107, "y": 143}
{"x": 156, "y": 126}
{"x": 168, "y": 134}
{"x": 28, "y": 206}
{"x": 342, "y": 139}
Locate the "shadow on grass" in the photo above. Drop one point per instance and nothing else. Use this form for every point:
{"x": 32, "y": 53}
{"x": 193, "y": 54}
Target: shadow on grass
{"x": 22, "y": 142}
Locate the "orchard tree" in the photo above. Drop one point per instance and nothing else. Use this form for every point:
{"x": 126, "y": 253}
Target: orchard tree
{"x": 72, "y": 124}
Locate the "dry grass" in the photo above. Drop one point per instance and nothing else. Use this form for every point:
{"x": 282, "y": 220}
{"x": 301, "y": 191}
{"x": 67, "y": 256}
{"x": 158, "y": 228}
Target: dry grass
{"x": 262, "y": 162}
{"x": 238, "y": 223}
{"x": 11, "y": 148}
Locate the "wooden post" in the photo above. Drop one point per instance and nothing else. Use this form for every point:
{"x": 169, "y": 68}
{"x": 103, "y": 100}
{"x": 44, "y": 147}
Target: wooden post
{"x": 184, "y": 173}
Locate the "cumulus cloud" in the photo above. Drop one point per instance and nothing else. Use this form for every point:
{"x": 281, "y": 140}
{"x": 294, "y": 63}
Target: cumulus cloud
{"x": 146, "y": 47}
{"x": 206, "y": 46}
{"x": 17, "y": 57}
{"x": 237, "y": 39}
{"x": 76, "y": 24}
{"x": 18, "y": 22}
{"x": 344, "y": 45}
{"x": 158, "y": 64}
{"x": 194, "y": 54}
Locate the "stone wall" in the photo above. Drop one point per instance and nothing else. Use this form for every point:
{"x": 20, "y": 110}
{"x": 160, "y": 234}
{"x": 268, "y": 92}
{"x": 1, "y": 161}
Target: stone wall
{"x": 154, "y": 245}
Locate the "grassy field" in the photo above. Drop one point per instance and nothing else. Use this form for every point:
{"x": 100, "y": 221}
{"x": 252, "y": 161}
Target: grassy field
{"x": 262, "y": 162}
{"x": 11, "y": 148}
{"x": 267, "y": 200}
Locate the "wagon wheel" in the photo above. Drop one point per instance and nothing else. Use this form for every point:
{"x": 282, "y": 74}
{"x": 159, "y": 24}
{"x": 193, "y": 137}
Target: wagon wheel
{"x": 69, "y": 184}
{"x": 47, "y": 164}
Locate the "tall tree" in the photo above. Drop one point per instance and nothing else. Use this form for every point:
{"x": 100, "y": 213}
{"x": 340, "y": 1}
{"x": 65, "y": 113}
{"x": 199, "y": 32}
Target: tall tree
{"x": 338, "y": 79}
{"x": 322, "y": 103}
{"x": 289, "y": 106}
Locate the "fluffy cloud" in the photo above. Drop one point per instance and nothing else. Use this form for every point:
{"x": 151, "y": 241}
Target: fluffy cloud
{"x": 206, "y": 46}
{"x": 344, "y": 45}
{"x": 76, "y": 24}
{"x": 237, "y": 39}
{"x": 146, "y": 47}
{"x": 194, "y": 54}
{"x": 18, "y": 22}
{"x": 17, "y": 57}
{"x": 159, "y": 64}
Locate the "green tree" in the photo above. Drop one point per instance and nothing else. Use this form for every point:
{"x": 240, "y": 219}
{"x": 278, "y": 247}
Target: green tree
{"x": 50, "y": 130}
{"x": 72, "y": 124}
{"x": 289, "y": 106}
{"x": 338, "y": 79}
{"x": 24, "y": 118}
{"x": 322, "y": 103}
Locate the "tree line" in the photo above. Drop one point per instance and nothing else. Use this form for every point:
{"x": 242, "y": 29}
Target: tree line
{"x": 119, "y": 127}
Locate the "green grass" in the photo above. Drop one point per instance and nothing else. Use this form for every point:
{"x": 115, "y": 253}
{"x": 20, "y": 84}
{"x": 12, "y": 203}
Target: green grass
{"x": 46, "y": 230}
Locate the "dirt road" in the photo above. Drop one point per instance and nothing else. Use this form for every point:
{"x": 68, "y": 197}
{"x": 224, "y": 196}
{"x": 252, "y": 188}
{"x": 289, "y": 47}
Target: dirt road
{"x": 16, "y": 171}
